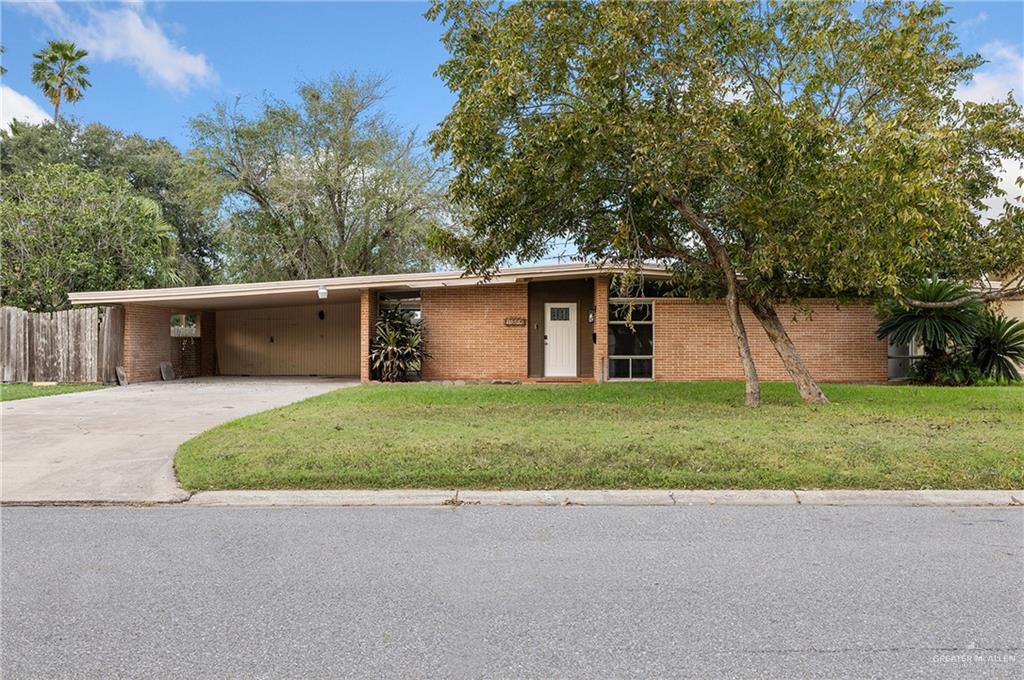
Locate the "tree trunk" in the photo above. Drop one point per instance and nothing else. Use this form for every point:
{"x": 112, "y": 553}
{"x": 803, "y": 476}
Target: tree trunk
{"x": 739, "y": 331}
{"x": 732, "y": 298}
{"x": 805, "y": 383}
{"x": 56, "y": 110}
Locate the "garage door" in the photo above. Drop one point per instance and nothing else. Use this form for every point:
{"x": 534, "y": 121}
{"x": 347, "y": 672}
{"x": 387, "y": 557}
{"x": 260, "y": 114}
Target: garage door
{"x": 315, "y": 340}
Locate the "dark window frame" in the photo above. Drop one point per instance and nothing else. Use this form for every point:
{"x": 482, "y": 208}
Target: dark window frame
{"x": 642, "y": 320}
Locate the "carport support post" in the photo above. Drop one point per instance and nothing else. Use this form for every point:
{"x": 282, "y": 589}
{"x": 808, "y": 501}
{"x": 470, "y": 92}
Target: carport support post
{"x": 601, "y": 284}
{"x": 367, "y": 321}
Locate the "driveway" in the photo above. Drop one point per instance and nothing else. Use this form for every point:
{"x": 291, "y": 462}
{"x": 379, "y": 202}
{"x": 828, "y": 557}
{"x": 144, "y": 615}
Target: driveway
{"x": 118, "y": 444}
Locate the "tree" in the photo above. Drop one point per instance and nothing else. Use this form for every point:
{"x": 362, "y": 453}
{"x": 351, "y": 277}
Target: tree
{"x": 59, "y": 73}
{"x": 769, "y": 152}
{"x": 189, "y": 198}
{"x": 64, "y": 229}
{"x": 330, "y": 187}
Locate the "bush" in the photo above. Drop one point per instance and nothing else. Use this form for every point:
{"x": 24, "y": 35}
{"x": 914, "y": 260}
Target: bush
{"x": 938, "y": 329}
{"x": 963, "y": 344}
{"x": 397, "y": 348}
{"x": 999, "y": 348}
{"x": 955, "y": 369}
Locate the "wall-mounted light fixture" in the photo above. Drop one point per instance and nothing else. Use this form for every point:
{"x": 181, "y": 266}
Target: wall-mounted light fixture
{"x": 591, "y": 315}
{"x": 322, "y": 293}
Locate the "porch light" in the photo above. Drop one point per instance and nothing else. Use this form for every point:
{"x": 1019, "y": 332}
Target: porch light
{"x": 322, "y": 293}
{"x": 591, "y": 315}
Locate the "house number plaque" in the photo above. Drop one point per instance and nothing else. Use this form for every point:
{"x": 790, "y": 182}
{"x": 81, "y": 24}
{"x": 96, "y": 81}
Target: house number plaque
{"x": 515, "y": 321}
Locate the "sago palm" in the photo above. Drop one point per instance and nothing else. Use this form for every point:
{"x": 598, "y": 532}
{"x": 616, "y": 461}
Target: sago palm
{"x": 937, "y": 328}
{"x": 60, "y": 73}
{"x": 999, "y": 347}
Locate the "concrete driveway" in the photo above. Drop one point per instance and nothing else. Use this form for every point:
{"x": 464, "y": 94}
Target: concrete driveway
{"x": 118, "y": 444}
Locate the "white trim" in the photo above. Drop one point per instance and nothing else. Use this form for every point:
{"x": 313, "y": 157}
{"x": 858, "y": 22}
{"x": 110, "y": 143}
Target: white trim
{"x": 412, "y": 281}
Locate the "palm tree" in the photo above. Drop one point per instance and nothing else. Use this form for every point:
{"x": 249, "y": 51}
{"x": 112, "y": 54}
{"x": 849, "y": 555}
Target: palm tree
{"x": 939, "y": 329}
{"x": 999, "y": 347}
{"x": 59, "y": 73}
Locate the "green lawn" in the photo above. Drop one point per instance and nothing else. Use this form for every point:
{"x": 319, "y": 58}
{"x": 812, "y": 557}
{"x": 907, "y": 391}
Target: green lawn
{"x": 655, "y": 435}
{"x": 12, "y": 391}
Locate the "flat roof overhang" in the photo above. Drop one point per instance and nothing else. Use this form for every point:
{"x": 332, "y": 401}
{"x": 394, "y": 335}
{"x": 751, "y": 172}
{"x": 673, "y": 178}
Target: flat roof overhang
{"x": 346, "y": 289}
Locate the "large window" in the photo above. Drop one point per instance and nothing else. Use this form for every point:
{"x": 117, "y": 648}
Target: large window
{"x": 630, "y": 339}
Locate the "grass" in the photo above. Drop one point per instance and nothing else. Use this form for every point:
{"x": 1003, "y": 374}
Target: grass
{"x": 12, "y": 391}
{"x": 640, "y": 435}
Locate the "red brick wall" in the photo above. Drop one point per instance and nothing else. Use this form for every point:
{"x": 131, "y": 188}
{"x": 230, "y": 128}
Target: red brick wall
{"x": 186, "y": 357}
{"x": 466, "y": 336}
{"x": 367, "y": 324}
{"x": 147, "y": 341}
{"x": 693, "y": 341}
{"x": 601, "y": 327}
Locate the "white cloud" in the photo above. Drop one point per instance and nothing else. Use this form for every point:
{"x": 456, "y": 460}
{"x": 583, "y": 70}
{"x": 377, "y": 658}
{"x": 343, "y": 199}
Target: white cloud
{"x": 1008, "y": 174}
{"x": 127, "y": 33}
{"x": 1003, "y": 73}
{"x": 975, "y": 21}
{"x": 14, "y": 105}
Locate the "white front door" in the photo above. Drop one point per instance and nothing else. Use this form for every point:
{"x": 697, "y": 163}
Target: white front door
{"x": 560, "y": 339}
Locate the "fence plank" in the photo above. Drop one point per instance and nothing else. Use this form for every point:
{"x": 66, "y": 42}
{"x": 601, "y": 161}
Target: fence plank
{"x": 111, "y": 335}
{"x": 76, "y": 345}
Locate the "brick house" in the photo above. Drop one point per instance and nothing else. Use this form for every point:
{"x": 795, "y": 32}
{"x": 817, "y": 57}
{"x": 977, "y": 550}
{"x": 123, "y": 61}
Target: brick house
{"x": 554, "y": 322}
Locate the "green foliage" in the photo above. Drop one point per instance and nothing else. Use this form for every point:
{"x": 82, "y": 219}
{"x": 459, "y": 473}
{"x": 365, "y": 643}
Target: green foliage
{"x": 955, "y": 368}
{"x": 821, "y": 142}
{"x": 999, "y": 347}
{"x": 65, "y": 229}
{"x": 938, "y": 329}
{"x": 962, "y": 343}
{"x": 397, "y": 348}
{"x": 188, "y": 196}
{"x": 330, "y": 187}
{"x": 59, "y": 73}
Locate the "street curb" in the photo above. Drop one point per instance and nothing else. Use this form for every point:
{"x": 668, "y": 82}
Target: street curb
{"x": 177, "y": 498}
{"x": 611, "y": 497}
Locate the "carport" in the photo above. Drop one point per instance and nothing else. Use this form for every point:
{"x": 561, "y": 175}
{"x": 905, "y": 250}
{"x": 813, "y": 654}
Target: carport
{"x": 300, "y": 328}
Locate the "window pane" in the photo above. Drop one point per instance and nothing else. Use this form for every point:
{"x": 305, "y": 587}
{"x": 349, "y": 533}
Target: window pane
{"x": 559, "y": 313}
{"x": 623, "y": 340}
{"x": 625, "y": 311}
{"x": 618, "y": 368}
{"x": 643, "y": 368}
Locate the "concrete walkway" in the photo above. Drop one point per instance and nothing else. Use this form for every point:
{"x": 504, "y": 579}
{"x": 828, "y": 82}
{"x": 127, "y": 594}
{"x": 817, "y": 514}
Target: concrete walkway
{"x": 117, "y": 445}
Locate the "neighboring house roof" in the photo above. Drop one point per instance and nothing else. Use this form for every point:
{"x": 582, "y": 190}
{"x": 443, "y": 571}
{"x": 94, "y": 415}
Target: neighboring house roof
{"x": 273, "y": 293}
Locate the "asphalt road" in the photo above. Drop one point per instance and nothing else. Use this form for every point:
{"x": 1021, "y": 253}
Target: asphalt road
{"x": 703, "y": 592}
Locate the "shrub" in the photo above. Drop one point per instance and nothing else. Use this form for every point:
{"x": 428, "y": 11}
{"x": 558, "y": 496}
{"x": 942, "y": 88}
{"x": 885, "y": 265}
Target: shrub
{"x": 999, "y": 348}
{"x": 397, "y": 348}
{"x": 938, "y": 329}
{"x": 954, "y": 369}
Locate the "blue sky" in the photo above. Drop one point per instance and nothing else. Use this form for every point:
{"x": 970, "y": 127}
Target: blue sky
{"x": 156, "y": 65}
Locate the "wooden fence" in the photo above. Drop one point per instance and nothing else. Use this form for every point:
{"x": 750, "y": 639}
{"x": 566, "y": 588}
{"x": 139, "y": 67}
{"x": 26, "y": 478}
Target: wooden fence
{"x": 77, "y": 345}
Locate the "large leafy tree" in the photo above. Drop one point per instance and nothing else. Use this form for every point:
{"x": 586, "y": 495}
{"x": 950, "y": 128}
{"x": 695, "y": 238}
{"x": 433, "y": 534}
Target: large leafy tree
{"x": 188, "y": 197}
{"x": 60, "y": 73}
{"x": 65, "y": 229}
{"x": 328, "y": 187}
{"x": 768, "y": 151}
